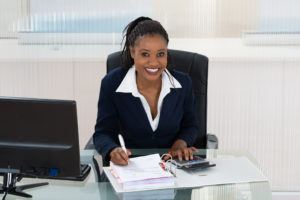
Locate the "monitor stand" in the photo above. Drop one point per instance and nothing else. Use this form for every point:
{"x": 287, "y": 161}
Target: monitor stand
{"x": 9, "y": 185}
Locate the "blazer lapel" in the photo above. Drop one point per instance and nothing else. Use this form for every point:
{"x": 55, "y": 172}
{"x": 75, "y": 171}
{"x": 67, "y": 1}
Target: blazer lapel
{"x": 136, "y": 110}
{"x": 168, "y": 105}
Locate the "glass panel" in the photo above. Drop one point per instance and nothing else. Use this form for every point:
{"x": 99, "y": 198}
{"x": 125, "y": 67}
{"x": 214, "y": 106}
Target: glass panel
{"x": 279, "y": 16}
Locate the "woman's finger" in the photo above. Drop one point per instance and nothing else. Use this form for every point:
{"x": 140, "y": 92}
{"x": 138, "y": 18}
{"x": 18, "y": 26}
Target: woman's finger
{"x": 124, "y": 156}
{"x": 186, "y": 153}
{"x": 194, "y": 149}
{"x": 179, "y": 155}
{"x": 191, "y": 153}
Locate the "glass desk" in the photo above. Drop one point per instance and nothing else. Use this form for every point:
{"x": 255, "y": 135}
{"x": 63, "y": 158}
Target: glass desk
{"x": 104, "y": 190}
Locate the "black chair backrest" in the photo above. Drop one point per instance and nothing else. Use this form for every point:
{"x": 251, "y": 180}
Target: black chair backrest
{"x": 196, "y": 66}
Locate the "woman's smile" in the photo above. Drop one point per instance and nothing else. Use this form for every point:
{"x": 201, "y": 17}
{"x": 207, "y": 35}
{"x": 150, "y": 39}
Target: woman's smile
{"x": 152, "y": 71}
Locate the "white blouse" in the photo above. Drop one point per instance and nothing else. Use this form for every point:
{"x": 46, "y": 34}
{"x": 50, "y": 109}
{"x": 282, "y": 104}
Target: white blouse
{"x": 128, "y": 85}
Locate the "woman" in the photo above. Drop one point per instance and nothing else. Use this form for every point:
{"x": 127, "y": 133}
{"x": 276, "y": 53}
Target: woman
{"x": 149, "y": 105}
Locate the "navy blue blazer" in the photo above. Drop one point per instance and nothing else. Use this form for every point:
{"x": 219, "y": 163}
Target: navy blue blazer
{"x": 123, "y": 113}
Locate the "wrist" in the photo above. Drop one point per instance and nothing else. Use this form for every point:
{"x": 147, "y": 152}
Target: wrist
{"x": 112, "y": 151}
{"x": 182, "y": 142}
{"x": 179, "y": 144}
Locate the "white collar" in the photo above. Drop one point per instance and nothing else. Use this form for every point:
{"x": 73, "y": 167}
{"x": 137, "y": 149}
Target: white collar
{"x": 128, "y": 85}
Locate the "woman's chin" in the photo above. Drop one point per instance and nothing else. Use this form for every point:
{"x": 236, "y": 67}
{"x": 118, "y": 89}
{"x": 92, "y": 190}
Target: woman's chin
{"x": 152, "y": 77}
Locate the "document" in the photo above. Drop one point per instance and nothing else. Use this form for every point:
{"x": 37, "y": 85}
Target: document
{"x": 227, "y": 171}
{"x": 142, "y": 172}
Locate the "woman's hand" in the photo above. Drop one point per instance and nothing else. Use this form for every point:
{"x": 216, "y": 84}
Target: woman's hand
{"x": 119, "y": 157}
{"x": 179, "y": 149}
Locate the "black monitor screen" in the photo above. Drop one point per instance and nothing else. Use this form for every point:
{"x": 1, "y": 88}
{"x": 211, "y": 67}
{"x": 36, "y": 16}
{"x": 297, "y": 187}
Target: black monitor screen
{"x": 39, "y": 137}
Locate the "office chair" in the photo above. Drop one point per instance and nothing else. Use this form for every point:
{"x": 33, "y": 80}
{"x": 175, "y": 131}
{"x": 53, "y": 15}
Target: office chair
{"x": 196, "y": 66}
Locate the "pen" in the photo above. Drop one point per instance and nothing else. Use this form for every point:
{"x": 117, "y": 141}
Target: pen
{"x": 122, "y": 143}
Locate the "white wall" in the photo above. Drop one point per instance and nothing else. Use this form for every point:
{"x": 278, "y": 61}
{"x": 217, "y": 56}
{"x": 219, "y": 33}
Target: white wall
{"x": 285, "y": 195}
{"x": 254, "y": 105}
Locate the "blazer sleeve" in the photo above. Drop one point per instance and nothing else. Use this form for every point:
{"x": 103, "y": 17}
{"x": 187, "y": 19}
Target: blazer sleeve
{"x": 105, "y": 133}
{"x": 189, "y": 125}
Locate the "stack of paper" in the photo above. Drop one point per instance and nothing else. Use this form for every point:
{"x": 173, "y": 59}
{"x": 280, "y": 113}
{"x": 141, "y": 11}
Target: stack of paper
{"x": 142, "y": 172}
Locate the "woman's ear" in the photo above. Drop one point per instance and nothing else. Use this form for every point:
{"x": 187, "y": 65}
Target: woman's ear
{"x": 131, "y": 49}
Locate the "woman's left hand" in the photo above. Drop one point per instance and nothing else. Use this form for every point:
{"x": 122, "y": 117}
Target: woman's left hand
{"x": 179, "y": 149}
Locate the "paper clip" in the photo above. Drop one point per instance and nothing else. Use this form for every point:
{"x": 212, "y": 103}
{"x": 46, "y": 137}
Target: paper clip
{"x": 167, "y": 165}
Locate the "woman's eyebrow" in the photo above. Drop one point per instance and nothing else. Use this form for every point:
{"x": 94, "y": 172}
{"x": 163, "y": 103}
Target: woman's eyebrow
{"x": 144, "y": 50}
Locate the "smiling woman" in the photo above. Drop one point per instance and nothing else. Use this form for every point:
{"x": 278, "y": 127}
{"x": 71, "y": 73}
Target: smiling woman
{"x": 146, "y": 101}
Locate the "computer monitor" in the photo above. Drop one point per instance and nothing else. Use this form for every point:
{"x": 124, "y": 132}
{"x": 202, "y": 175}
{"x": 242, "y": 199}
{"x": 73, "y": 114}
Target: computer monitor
{"x": 38, "y": 137}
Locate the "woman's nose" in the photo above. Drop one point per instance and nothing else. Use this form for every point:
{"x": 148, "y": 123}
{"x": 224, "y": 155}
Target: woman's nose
{"x": 153, "y": 61}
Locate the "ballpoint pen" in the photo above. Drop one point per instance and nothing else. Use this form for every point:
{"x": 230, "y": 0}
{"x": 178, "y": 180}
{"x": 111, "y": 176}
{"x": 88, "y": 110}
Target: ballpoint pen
{"x": 122, "y": 143}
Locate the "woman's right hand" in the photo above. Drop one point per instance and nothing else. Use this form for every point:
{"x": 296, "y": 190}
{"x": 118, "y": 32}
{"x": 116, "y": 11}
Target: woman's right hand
{"x": 119, "y": 157}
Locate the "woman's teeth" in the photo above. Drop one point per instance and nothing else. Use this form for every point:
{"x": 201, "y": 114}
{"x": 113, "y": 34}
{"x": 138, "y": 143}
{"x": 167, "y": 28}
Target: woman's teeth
{"x": 152, "y": 69}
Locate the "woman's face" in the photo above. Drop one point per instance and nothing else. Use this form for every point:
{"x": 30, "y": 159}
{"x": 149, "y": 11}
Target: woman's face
{"x": 150, "y": 57}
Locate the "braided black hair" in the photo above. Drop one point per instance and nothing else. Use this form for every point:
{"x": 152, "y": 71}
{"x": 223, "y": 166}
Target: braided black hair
{"x": 136, "y": 29}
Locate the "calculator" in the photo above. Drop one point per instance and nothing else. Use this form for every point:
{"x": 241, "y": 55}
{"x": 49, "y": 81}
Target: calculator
{"x": 197, "y": 162}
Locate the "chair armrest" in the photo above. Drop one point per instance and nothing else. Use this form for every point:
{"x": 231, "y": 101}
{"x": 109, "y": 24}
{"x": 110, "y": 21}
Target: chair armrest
{"x": 89, "y": 144}
{"x": 212, "y": 141}
{"x": 98, "y": 163}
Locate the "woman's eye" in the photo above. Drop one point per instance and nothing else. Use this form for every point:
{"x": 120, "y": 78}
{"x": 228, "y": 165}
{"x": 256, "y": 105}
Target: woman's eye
{"x": 161, "y": 54}
{"x": 145, "y": 54}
